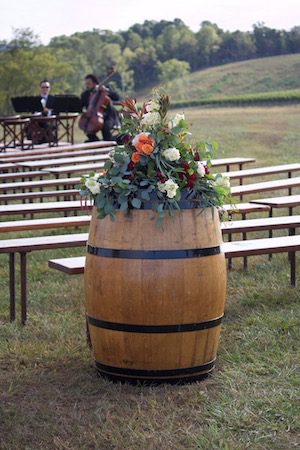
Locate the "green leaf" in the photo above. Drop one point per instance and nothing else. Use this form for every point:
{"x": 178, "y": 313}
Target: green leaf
{"x": 145, "y": 195}
{"x": 136, "y": 203}
{"x": 124, "y": 206}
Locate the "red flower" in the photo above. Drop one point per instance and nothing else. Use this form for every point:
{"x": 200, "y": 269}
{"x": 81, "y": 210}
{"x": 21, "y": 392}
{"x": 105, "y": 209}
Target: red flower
{"x": 161, "y": 177}
{"x": 126, "y": 139}
{"x": 193, "y": 177}
{"x": 196, "y": 156}
{"x": 207, "y": 171}
{"x": 185, "y": 166}
{"x": 130, "y": 166}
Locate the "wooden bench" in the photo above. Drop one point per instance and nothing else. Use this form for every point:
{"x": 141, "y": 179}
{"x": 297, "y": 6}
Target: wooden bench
{"x": 266, "y": 186}
{"x": 236, "y": 249}
{"x": 288, "y": 201}
{"x": 27, "y": 245}
{"x": 80, "y": 168}
{"x": 49, "y": 163}
{"x": 41, "y": 184}
{"x": 65, "y": 148}
{"x": 44, "y": 224}
{"x": 231, "y": 162}
{"x": 42, "y": 208}
{"x": 51, "y": 156}
{"x": 6, "y": 167}
{"x": 29, "y": 196}
{"x": 23, "y": 175}
{"x": 263, "y": 171}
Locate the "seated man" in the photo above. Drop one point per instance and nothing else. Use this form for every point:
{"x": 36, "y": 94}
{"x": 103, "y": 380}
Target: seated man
{"x": 110, "y": 115}
{"x": 47, "y": 100}
{"x": 43, "y": 131}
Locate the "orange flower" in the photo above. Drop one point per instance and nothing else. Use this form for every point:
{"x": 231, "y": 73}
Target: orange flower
{"x": 135, "y": 157}
{"x": 143, "y": 143}
{"x": 147, "y": 149}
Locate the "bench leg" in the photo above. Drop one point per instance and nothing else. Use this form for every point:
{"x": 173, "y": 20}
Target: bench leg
{"x": 244, "y": 239}
{"x": 23, "y": 288}
{"x": 229, "y": 259}
{"x": 12, "y": 289}
{"x": 270, "y": 232}
{"x": 293, "y": 268}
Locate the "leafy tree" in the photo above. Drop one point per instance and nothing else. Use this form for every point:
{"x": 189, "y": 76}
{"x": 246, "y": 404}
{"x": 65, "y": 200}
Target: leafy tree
{"x": 172, "y": 68}
{"x": 208, "y": 43}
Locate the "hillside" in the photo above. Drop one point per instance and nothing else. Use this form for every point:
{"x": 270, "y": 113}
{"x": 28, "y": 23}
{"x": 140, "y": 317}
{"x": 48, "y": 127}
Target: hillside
{"x": 276, "y": 73}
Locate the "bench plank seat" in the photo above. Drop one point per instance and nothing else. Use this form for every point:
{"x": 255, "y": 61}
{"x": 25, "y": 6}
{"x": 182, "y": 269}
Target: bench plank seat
{"x": 24, "y": 245}
{"x": 80, "y": 168}
{"x": 18, "y": 175}
{"x": 38, "y": 208}
{"x": 287, "y": 201}
{"x": 231, "y": 250}
{"x": 59, "y": 149}
{"x": 44, "y": 224}
{"x": 272, "y": 223}
{"x": 40, "y": 184}
{"x": 265, "y": 186}
{"x": 262, "y": 171}
{"x": 75, "y": 153}
{"x": 63, "y": 161}
{"x": 39, "y": 194}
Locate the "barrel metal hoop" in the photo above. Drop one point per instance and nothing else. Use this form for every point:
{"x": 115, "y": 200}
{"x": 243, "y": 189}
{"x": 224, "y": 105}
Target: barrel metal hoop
{"x": 153, "y": 254}
{"x": 133, "y": 328}
{"x": 154, "y": 373}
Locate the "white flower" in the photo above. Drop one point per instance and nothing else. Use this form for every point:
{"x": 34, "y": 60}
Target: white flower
{"x": 151, "y": 118}
{"x": 161, "y": 187}
{"x": 171, "y": 154}
{"x": 169, "y": 187}
{"x": 175, "y": 121}
{"x": 201, "y": 169}
{"x": 223, "y": 181}
{"x": 92, "y": 184}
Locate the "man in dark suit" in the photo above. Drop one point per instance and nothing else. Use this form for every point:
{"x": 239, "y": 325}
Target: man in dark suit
{"x": 42, "y": 131}
{"x": 110, "y": 115}
{"x": 47, "y": 100}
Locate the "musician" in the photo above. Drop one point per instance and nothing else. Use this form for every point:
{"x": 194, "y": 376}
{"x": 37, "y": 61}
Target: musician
{"x": 42, "y": 131}
{"x": 110, "y": 115}
{"x": 47, "y": 100}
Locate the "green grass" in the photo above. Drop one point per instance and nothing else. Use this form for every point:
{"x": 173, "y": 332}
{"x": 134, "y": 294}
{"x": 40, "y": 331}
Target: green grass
{"x": 273, "y": 74}
{"x": 52, "y": 399}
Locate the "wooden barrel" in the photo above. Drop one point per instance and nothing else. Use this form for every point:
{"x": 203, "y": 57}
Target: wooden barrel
{"x": 155, "y": 296}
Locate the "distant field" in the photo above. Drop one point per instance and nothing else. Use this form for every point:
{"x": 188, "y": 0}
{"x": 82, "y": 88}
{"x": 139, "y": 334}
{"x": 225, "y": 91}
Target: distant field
{"x": 52, "y": 399}
{"x": 277, "y": 73}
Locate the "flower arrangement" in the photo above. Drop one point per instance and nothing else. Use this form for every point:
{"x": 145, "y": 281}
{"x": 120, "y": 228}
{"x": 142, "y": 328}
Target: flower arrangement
{"x": 156, "y": 167}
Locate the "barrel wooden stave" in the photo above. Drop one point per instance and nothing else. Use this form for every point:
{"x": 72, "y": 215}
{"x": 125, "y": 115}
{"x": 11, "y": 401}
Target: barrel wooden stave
{"x": 157, "y": 293}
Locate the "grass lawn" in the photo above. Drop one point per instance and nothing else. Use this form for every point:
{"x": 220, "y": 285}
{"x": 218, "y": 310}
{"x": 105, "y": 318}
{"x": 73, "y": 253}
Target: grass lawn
{"x": 52, "y": 399}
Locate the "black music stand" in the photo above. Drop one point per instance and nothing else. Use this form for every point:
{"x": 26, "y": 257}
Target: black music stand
{"x": 27, "y": 104}
{"x": 66, "y": 104}
{"x": 66, "y": 108}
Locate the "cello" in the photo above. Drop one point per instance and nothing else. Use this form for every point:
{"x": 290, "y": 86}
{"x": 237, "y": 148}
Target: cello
{"x": 92, "y": 121}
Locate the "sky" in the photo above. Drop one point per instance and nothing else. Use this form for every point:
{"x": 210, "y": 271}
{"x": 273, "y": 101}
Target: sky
{"x": 56, "y": 17}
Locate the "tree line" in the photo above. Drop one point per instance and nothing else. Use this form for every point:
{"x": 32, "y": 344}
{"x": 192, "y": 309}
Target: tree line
{"x": 145, "y": 54}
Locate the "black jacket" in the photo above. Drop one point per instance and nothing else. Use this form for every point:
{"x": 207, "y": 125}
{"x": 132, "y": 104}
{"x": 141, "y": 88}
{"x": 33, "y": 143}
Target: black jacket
{"x": 49, "y": 103}
{"x": 110, "y": 112}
